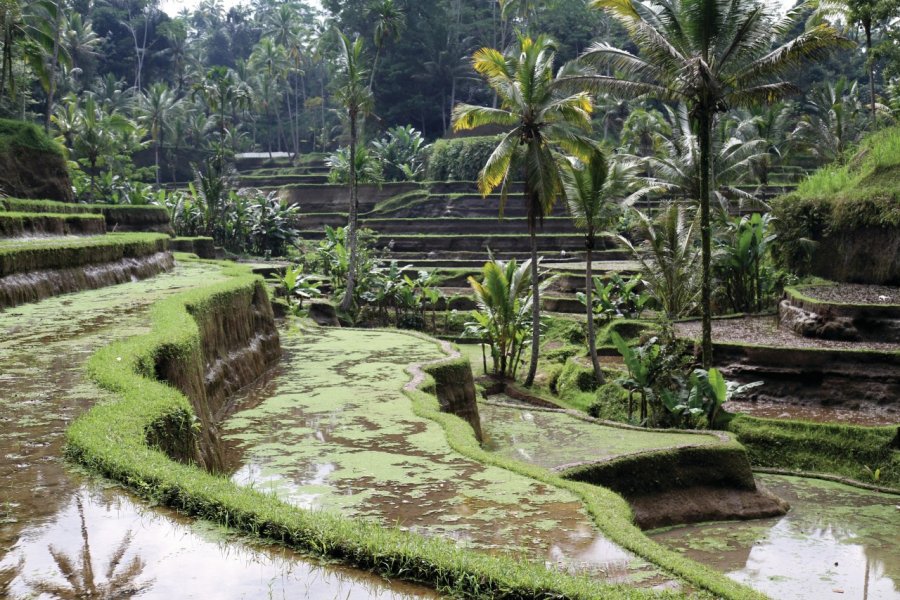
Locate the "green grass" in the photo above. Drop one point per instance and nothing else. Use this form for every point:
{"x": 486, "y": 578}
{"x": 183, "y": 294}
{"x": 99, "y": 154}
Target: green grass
{"x": 874, "y": 168}
{"x": 846, "y": 450}
{"x": 125, "y": 214}
{"x": 17, "y": 256}
{"x": 21, "y": 134}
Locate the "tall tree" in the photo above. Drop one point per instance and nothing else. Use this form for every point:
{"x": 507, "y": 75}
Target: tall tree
{"x": 594, "y": 189}
{"x": 537, "y": 116}
{"x": 711, "y": 55}
{"x": 158, "y": 107}
{"x": 389, "y": 22}
{"x": 355, "y": 97}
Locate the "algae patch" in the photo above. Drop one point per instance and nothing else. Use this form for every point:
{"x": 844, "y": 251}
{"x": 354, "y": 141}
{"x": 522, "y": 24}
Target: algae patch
{"x": 331, "y": 430}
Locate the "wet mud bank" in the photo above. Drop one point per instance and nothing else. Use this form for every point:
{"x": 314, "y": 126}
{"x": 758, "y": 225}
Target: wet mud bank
{"x": 687, "y": 485}
{"x": 668, "y": 477}
{"x": 861, "y": 377}
{"x": 21, "y": 288}
{"x": 238, "y": 343}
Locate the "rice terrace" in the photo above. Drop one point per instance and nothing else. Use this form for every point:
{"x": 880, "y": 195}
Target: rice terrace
{"x": 526, "y": 299}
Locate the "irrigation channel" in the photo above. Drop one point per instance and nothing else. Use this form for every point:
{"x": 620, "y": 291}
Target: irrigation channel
{"x": 53, "y": 518}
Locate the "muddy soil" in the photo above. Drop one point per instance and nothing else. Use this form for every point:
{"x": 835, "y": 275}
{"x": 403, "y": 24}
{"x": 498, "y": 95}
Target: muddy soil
{"x": 854, "y": 293}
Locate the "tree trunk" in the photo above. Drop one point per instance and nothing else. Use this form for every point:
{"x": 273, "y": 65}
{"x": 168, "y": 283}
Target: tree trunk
{"x": 535, "y": 306}
{"x": 705, "y": 238}
{"x": 347, "y": 301}
{"x": 374, "y": 66}
{"x": 156, "y": 158}
{"x": 870, "y": 67}
{"x": 51, "y": 78}
{"x": 588, "y": 297}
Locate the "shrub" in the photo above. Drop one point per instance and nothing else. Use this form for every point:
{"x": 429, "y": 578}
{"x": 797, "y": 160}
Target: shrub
{"x": 459, "y": 159}
{"x": 576, "y": 378}
{"x": 610, "y": 403}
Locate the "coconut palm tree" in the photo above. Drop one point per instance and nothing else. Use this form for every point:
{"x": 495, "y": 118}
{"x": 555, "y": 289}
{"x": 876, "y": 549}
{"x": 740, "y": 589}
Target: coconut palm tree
{"x": 594, "y": 189}
{"x": 669, "y": 259}
{"x": 712, "y": 56}
{"x": 389, "y": 22}
{"x": 158, "y": 107}
{"x": 355, "y": 96}
{"x": 537, "y": 115}
{"x": 833, "y": 121}
{"x": 676, "y": 164}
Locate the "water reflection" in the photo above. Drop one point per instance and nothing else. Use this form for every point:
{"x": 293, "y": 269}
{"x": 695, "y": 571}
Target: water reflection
{"x": 79, "y": 574}
{"x": 836, "y": 541}
{"x": 82, "y": 553}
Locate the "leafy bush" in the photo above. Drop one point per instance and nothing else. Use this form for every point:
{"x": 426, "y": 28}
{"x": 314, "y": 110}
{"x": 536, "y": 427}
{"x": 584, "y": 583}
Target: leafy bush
{"x": 402, "y": 153}
{"x": 671, "y": 392}
{"x": 368, "y": 166}
{"x": 459, "y": 159}
{"x": 617, "y": 298}
{"x": 670, "y": 259}
{"x": 610, "y": 403}
{"x": 503, "y": 318}
{"x": 742, "y": 264}
{"x": 576, "y": 378}
{"x": 248, "y": 221}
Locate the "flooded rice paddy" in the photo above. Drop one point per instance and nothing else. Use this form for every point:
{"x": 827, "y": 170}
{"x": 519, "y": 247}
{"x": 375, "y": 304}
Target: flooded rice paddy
{"x": 554, "y": 439}
{"x": 331, "y": 430}
{"x": 836, "y": 542}
{"x": 43, "y": 348}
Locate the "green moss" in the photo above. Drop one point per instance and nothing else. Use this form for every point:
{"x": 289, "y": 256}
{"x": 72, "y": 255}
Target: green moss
{"x": 21, "y": 134}
{"x": 847, "y": 450}
{"x": 22, "y": 257}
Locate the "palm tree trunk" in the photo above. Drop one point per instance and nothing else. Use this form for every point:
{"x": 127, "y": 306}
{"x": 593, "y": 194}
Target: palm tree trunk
{"x": 588, "y": 297}
{"x": 870, "y": 67}
{"x": 535, "y": 306}
{"x": 705, "y": 239}
{"x": 156, "y": 158}
{"x": 347, "y": 301}
{"x": 51, "y": 77}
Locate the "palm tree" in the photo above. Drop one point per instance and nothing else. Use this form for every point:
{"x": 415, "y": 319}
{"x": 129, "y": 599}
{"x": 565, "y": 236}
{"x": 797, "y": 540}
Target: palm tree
{"x": 158, "y": 106}
{"x": 24, "y": 24}
{"x": 677, "y": 168}
{"x": 389, "y": 22}
{"x": 668, "y": 259}
{"x": 97, "y": 132}
{"x": 222, "y": 92}
{"x": 355, "y": 96}
{"x": 832, "y": 123}
{"x": 712, "y": 56}
{"x": 538, "y": 116}
{"x": 593, "y": 191}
